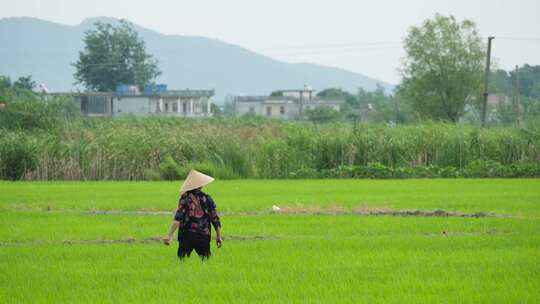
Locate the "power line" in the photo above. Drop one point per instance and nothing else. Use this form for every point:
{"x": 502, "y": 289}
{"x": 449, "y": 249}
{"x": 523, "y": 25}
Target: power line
{"x": 519, "y": 38}
{"x": 337, "y": 50}
{"x": 329, "y": 45}
{"x": 353, "y": 48}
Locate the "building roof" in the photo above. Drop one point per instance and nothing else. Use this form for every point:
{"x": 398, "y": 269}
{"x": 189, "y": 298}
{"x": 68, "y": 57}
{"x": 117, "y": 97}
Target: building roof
{"x": 250, "y": 98}
{"x": 265, "y": 99}
{"x": 168, "y": 93}
{"x": 296, "y": 91}
{"x": 183, "y": 93}
{"x": 326, "y": 100}
{"x": 90, "y": 93}
{"x": 289, "y": 99}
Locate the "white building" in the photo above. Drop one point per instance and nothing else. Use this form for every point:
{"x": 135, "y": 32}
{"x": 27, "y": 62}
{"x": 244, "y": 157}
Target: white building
{"x": 291, "y": 104}
{"x": 172, "y": 103}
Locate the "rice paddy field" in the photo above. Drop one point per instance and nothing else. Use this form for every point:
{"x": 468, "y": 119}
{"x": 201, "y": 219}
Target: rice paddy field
{"x": 333, "y": 241}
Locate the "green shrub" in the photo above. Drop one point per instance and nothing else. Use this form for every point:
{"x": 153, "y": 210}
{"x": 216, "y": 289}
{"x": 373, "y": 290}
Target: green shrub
{"x": 219, "y": 172}
{"x": 425, "y": 171}
{"x": 17, "y": 156}
{"x": 524, "y": 170}
{"x": 373, "y": 170}
{"x": 169, "y": 169}
{"x": 449, "y": 172}
{"x": 485, "y": 168}
{"x": 304, "y": 173}
{"x": 152, "y": 175}
{"x": 403, "y": 172}
{"x": 28, "y": 112}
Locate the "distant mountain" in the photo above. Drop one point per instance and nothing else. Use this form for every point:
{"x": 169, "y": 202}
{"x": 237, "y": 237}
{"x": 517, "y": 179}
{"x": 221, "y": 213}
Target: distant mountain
{"x": 46, "y": 51}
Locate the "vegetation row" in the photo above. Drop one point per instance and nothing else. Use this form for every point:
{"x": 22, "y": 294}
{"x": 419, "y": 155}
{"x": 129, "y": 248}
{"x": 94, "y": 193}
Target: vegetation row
{"x": 159, "y": 148}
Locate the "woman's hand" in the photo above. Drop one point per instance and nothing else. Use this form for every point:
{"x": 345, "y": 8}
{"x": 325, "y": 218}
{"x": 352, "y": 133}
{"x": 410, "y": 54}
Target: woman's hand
{"x": 167, "y": 240}
{"x": 219, "y": 241}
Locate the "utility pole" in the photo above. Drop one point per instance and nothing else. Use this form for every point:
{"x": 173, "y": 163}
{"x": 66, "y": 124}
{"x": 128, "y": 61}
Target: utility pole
{"x": 518, "y": 99}
{"x": 486, "y": 81}
{"x": 396, "y": 103}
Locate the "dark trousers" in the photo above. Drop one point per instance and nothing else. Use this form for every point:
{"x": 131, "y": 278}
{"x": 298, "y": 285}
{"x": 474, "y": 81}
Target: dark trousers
{"x": 191, "y": 240}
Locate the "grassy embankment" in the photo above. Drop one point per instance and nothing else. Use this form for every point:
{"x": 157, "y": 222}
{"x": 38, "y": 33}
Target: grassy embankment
{"x": 51, "y": 250}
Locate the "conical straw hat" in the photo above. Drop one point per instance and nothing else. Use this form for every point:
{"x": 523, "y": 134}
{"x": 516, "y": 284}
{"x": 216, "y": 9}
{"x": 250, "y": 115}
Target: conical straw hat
{"x": 194, "y": 180}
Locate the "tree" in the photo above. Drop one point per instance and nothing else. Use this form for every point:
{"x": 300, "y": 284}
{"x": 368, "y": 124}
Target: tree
{"x": 529, "y": 80}
{"x": 20, "y": 89}
{"x": 215, "y": 110}
{"x": 517, "y": 103}
{"x": 322, "y": 114}
{"x": 276, "y": 94}
{"x": 21, "y": 109}
{"x": 25, "y": 83}
{"x": 442, "y": 70}
{"x": 114, "y": 55}
{"x": 5, "y": 82}
{"x": 228, "y": 108}
{"x": 500, "y": 82}
{"x": 337, "y": 93}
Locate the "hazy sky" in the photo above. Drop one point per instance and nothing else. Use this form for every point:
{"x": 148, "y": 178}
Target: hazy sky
{"x": 361, "y": 36}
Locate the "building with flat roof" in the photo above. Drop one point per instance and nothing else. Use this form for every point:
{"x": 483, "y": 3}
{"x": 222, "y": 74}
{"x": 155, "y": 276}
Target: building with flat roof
{"x": 287, "y": 104}
{"x": 169, "y": 103}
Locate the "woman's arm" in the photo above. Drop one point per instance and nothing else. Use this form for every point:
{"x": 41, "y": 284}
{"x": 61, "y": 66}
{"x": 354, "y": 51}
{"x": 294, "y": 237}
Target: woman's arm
{"x": 214, "y": 218}
{"x": 219, "y": 240}
{"x": 179, "y": 218}
{"x": 174, "y": 225}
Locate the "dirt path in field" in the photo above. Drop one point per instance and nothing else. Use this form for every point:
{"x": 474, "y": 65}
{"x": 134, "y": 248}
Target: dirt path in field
{"x": 148, "y": 240}
{"x": 367, "y": 211}
{"x": 362, "y": 211}
{"x": 416, "y": 212}
{"x": 157, "y": 240}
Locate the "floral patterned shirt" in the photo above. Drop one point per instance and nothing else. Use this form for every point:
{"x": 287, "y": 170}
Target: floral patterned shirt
{"x": 196, "y": 212}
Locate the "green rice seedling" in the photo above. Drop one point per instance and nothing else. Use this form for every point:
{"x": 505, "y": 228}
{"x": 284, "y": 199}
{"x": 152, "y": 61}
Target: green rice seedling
{"x": 100, "y": 241}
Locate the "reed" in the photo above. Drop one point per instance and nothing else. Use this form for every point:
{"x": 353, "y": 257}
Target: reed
{"x": 135, "y": 148}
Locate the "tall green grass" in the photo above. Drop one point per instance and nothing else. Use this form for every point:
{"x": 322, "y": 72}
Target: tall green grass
{"x": 136, "y": 149}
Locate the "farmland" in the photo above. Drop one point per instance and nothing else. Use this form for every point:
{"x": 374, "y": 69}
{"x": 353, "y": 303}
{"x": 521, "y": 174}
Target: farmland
{"x": 98, "y": 242}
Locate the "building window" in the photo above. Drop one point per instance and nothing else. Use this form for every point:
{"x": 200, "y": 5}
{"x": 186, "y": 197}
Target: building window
{"x": 268, "y": 111}
{"x": 184, "y": 107}
{"x": 282, "y": 110}
{"x": 166, "y": 107}
{"x": 251, "y": 110}
{"x": 175, "y": 107}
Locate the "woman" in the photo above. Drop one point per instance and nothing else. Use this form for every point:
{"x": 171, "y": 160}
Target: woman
{"x": 195, "y": 213}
